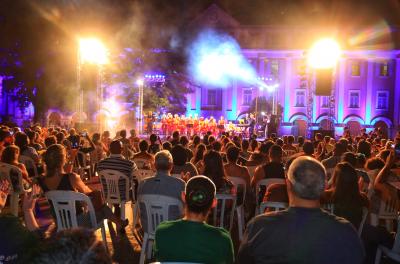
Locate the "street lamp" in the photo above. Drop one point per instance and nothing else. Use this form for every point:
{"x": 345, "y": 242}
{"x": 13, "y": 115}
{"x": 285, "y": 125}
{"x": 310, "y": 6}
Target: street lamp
{"x": 323, "y": 57}
{"x": 91, "y": 51}
{"x": 140, "y": 83}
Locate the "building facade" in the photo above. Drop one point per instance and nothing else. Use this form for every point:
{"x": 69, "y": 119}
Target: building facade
{"x": 365, "y": 90}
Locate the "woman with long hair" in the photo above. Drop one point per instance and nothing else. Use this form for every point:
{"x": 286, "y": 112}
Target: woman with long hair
{"x": 345, "y": 194}
{"x": 10, "y": 156}
{"x": 56, "y": 178}
{"x": 214, "y": 169}
{"x": 197, "y": 159}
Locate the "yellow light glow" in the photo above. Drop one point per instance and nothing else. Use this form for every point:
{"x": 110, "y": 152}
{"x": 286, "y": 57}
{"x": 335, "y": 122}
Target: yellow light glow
{"x": 324, "y": 54}
{"x": 139, "y": 82}
{"x": 92, "y": 51}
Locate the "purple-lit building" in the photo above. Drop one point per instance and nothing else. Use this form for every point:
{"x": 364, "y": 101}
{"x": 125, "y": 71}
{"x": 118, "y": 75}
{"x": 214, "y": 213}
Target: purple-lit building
{"x": 366, "y": 88}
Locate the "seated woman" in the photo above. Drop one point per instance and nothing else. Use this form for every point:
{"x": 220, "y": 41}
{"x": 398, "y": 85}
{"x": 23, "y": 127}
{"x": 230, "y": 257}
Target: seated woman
{"x": 181, "y": 165}
{"x": 197, "y": 159}
{"x": 57, "y": 179}
{"x": 214, "y": 169}
{"x": 345, "y": 194}
{"x": 144, "y": 155}
{"x": 10, "y": 156}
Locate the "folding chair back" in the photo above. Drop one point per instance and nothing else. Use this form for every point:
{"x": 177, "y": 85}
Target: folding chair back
{"x": 142, "y": 164}
{"x": 222, "y": 209}
{"x": 64, "y": 206}
{"x": 266, "y": 183}
{"x": 330, "y": 207}
{"x": 143, "y": 174}
{"x": 111, "y": 178}
{"x": 275, "y": 206}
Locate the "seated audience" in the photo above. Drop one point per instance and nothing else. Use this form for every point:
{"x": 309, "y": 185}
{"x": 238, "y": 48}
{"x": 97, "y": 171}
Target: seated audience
{"x": 10, "y": 156}
{"x": 213, "y": 169}
{"x": 272, "y": 169}
{"x": 57, "y": 178}
{"x": 304, "y": 233}
{"x": 144, "y": 155}
{"x": 194, "y": 240}
{"x": 154, "y": 147}
{"x": 22, "y": 141}
{"x": 181, "y": 165}
{"x": 161, "y": 184}
{"x": 184, "y": 141}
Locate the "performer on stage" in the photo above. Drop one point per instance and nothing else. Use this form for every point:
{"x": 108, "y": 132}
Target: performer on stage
{"x": 189, "y": 126}
{"x": 252, "y": 123}
{"x": 212, "y": 125}
{"x": 164, "y": 124}
{"x": 149, "y": 122}
{"x": 221, "y": 125}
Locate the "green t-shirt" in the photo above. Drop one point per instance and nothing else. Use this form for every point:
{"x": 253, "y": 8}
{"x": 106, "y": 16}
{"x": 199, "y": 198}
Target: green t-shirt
{"x": 188, "y": 241}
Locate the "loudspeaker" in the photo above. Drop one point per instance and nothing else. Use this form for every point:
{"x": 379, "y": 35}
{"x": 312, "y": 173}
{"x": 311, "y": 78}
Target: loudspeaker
{"x": 323, "y": 82}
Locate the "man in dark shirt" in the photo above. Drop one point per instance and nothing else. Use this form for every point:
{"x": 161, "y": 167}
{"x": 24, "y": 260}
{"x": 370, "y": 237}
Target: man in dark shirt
{"x": 304, "y": 233}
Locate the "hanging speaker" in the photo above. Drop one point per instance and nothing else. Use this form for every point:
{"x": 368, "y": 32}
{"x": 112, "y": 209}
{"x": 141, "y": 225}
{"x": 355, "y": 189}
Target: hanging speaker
{"x": 323, "y": 82}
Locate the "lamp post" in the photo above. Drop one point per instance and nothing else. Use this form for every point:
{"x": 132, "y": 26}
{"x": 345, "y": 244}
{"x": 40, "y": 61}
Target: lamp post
{"x": 322, "y": 58}
{"x": 140, "y": 83}
{"x": 91, "y": 51}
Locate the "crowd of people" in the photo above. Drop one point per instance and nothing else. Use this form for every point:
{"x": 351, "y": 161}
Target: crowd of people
{"x": 350, "y": 174}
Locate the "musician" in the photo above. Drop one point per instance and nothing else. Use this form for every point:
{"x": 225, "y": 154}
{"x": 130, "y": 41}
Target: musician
{"x": 170, "y": 124}
{"x": 149, "y": 122}
{"x": 221, "y": 125}
{"x": 182, "y": 124}
{"x": 189, "y": 125}
{"x": 196, "y": 124}
{"x": 164, "y": 124}
{"x": 212, "y": 125}
{"x": 252, "y": 123}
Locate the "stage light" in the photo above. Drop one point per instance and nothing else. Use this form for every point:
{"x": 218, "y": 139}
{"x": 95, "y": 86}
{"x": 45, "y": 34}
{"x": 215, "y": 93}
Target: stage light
{"x": 263, "y": 113}
{"x": 139, "y": 82}
{"x": 324, "y": 54}
{"x": 272, "y": 88}
{"x": 92, "y": 50}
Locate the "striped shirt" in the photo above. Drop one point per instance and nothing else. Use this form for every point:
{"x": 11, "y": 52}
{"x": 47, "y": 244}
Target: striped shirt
{"x": 119, "y": 163}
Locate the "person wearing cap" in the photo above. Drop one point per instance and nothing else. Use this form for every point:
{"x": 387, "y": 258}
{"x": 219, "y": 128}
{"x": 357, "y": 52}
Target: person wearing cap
{"x": 304, "y": 233}
{"x": 191, "y": 239}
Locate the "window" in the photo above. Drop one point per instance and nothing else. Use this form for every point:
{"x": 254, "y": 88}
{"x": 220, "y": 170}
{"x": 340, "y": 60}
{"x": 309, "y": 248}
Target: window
{"x": 247, "y": 96}
{"x": 384, "y": 69}
{"x": 354, "y": 99}
{"x": 382, "y": 100}
{"x": 325, "y": 101}
{"x": 355, "y": 69}
{"x": 300, "y": 98}
{"x": 275, "y": 68}
{"x": 211, "y": 98}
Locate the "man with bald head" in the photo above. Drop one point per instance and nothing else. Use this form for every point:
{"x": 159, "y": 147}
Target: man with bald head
{"x": 303, "y": 233}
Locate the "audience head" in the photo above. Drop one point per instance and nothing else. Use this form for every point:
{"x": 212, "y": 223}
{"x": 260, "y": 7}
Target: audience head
{"x": 60, "y": 137}
{"x": 73, "y": 246}
{"x": 10, "y": 154}
{"x": 95, "y": 138}
{"x": 21, "y": 140}
{"x": 345, "y": 181}
{"x": 213, "y": 167}
{"x": 200, "y": 149}
{"x": 143, "y": 145}
{"x": 300, "y": 140}
{"x": 245, "y": 144}
{"x": 253, "y": 145}
{"x": 306, "y": 178}
{"x": 167, "y": 146}
{"x": 290, "y": 139}
{"x": 279, "y": 142}
{"x": 184, "y": 141}
{"x": 179, "y": 155}
{"x": 122, "y": 133}
{"x": 153, "y": 138}
{"x": 351, "y": 158}
{"x": 133, "y": 132}
{"x": 339, "y": 149}
{"x": 217, "y": 146}
{"x": 54, "y": 158}
{"x": 308, "y": 148}
{"x": 196, "y": 140}
{"x": 175, "y": 135}
{"x": 232, "y": 154}
{"x": 275, "y": 153}
{"x": 364, "y": 147}
{"x": 163, "y": 161}
{"x": 116, "y": 147}
{"x": 50, "y": 140}
{"x": 6, "y": 137}
{"x": 199, "y": 195}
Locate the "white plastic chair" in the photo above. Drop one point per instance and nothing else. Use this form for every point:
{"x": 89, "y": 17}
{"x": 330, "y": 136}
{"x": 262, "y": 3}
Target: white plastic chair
{"x": 219, "y": 210}
{"x": 276, "y": 206}
{"x": 330, "y": 207}
{"x": 363, "y": 220}
{"x": 143, "y": 174}
{"x": 16, "y": 185}
{"x": 157, "y": 207}
{"x": 388, "y": 211}
{"x": 266, "y": 183}
{"x": 252, "y": 170}
{"x": 113, "y": 194}
{"x": 240, "y": 183}
{"x": 394, "y": 252}
{"x": 29, "y": 164}
{"x": 64, "y": 206}
{"x": 142, "y": 164}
